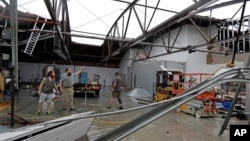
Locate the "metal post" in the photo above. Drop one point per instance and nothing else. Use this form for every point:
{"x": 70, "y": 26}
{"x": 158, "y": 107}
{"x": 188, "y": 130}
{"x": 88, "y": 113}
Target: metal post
{"x": 12, "y": 92}
{"x": 238, "y": 33}
{"x": 247, "y": 111}
{"x": 14, "y": 43}
{"x": 248, "y": 85}
{"x": 225, "y": 123}
{"x": 14, "y": 38}
{"x": 85, "y": 94}
{"x": 248, "y": 90}
{"x": 85, "y": 98}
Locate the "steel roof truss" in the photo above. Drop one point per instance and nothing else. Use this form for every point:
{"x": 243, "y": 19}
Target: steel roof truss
{"x": 202, "y": 34}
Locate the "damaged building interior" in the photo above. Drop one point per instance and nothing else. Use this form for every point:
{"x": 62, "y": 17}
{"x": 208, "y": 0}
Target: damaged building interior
{"x": 143, "y": 70}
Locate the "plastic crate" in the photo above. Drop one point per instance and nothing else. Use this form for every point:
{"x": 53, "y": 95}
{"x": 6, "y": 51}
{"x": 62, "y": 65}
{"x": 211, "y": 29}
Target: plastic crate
{"x": 226, "y": 105}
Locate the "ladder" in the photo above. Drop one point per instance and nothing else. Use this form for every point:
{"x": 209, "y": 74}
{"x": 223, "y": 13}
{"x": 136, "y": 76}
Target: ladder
{"x": 42, "y": 37}
{"x": 31, "y": 44}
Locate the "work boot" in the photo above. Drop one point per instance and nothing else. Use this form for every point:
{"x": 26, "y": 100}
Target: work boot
{"x": 108, "y": 107}
{"x": 37, "y": 113}
{"x": 120, "y": 108}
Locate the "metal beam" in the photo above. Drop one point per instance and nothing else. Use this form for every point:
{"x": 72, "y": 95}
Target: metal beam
{"x": 198, "y": 5}
{"x": 149, "y": 23}
{"x": 116, "y": 21}
{"x": 166, "y": 10}
{"x": 54, "y": 18}
{"x": 163, "y": 25}
{"x": 27, "y": 19}
{"x": 124, "y": 11}
{"x": 196, "y": 10}
{"x": 128, "y": 20}
{"x": 145, "y": 16}
{"x": 223, "y": 4}
{"x": 180, "y": 49}
{"x": 67, "y": 22}
{"x": 149, "y": 117}
{"x": 202, "y": 34}
{"x": 167, "y": 23}
{"x": 238, "y": 35}
{"x": 14, "y": 43}
{"x": 6, "y": 3}
{"x": 179, "y": 31}
{"x": 138, "y": 20}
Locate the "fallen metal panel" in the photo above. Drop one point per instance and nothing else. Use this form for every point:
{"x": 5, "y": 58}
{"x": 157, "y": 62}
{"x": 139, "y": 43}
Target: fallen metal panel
{"x": 61, "y": 129}
{"x": 164, "y": 108}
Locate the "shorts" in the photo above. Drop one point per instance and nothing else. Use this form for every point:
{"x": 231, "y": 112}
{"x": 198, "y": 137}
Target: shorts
{"x": 116, "y": 94}
{"x": 46, "y": 97}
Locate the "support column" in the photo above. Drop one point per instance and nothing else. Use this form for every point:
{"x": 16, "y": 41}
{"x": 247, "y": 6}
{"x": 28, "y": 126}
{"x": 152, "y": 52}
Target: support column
{"x": 248, "y": 76}
{"x": 14, "y": 46}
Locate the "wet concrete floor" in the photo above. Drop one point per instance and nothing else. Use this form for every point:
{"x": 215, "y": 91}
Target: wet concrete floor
{"x": 173, "y": 126}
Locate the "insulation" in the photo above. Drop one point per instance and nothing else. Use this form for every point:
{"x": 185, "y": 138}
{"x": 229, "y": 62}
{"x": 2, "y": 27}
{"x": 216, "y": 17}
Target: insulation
{"x": 138, "y": 92}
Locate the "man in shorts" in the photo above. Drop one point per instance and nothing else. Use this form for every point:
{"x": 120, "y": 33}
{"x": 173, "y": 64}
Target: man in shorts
{"x": 116, "y": 91}
{"x": 46, "y": 92}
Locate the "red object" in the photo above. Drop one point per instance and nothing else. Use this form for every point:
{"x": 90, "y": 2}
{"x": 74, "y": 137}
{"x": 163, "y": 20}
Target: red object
{"x": 208, "y": 95}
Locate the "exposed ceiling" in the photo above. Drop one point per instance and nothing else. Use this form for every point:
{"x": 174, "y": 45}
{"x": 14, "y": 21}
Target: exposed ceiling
{"x": 133, "y": 24}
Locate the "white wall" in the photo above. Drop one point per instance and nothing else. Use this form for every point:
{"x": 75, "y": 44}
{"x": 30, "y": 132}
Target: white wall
{"x": 180, "y": 42}
{"x": 35, "y": 70}
{"x": 144, "y": 75}
{"x": 176, "y": 57}
{"x": 125, "y": 62}
{"x": 194, "y": 62}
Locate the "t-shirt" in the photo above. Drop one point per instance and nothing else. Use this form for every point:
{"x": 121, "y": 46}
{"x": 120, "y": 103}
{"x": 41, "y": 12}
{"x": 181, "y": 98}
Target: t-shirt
{"x": 67, "y": 81}
{"x": 118, "y": 81}
{"x": 48, "y": 87}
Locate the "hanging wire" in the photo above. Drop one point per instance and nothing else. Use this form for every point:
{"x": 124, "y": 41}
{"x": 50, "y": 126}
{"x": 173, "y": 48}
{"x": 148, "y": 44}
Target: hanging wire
{"x": 92, "y": 13}
{"x": 27, "y": 2}
{"x": 98, "y": 18}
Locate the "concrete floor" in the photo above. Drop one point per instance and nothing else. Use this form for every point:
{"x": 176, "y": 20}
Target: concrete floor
{"x": 174, "y": 126}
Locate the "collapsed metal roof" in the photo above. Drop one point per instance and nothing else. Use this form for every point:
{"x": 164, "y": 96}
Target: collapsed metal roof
{"x": 134, "y": 24}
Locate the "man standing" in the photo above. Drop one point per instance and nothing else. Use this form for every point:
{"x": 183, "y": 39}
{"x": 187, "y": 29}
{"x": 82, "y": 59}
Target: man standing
{"x": 116, "y": 91}
{"x": 46, "y": 92}
{"x": 66, "y": 86}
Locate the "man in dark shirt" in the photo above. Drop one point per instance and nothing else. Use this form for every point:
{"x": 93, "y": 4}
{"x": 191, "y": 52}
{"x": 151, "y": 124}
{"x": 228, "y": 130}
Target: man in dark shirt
{"x": 116, "y": 91}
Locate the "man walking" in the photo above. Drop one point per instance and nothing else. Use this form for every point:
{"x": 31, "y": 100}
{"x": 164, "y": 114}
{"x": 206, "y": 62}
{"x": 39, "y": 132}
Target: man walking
{"x": 116, "y": 91}
{"x": 66, "y": 86}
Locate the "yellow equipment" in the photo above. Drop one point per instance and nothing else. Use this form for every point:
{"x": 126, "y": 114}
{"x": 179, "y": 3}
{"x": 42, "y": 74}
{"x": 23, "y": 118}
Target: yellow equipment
{"x": 163, "y": 94}
{"x": 166, "y": 85}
